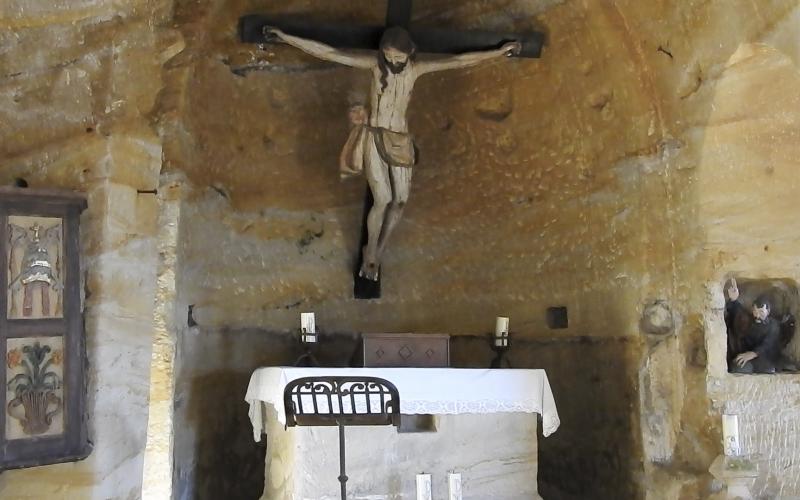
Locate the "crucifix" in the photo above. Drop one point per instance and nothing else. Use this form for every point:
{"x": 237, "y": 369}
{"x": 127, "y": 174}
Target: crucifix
{"x": 382, "y": 147}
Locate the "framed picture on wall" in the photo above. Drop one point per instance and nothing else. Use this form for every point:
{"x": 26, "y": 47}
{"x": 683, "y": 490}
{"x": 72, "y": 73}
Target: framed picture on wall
{"x": 43, "y": 417}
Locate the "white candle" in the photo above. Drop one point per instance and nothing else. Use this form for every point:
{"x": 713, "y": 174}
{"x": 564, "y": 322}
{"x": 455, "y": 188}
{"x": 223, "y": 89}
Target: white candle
{"x": 454, "y": 486}
{"x": 730, "y": 435}
{"x": 307, "y": 325}
{"x": 424, "y": 491}
{"x": 501, "y": 327}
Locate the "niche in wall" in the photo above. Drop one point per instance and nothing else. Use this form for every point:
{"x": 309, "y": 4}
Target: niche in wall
{"x": 784, "y": 300}
{"x": 557, "y": 318}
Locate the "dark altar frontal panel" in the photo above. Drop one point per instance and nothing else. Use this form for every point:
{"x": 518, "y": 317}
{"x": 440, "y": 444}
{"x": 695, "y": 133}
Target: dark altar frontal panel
{"x": 406, "y": 350}
{"x": 43, "y": 418}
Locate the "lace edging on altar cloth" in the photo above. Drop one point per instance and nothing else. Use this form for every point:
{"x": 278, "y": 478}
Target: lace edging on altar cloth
{"x": 550, "y": 422}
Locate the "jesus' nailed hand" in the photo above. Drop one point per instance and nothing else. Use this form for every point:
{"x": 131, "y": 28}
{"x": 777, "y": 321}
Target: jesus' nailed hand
{"x": 389, "y": 150}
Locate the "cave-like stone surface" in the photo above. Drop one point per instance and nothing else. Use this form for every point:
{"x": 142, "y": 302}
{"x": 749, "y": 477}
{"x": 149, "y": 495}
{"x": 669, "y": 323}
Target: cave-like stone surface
{"x": 649, "y": 155}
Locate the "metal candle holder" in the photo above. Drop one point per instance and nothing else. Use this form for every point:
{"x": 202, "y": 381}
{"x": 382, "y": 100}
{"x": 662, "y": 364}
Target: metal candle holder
{"x": 500, "y": 345}
{"x": 309, "y": 341}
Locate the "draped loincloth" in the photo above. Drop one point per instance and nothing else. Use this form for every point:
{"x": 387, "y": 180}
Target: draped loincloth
{"x": 395, "y": 148}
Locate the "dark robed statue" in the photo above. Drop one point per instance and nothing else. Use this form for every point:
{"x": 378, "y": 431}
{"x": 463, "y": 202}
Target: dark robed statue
{"x": 755, "y": 338}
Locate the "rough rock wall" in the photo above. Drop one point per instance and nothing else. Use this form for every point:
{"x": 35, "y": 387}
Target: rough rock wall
{"x": 528, "y": 196}
{"x": 726, "y": 87}
{"x": 590, "y": 178}
{"x": 504, "y": 190}
{"x": 214, "y": 360}
{"x": 748, "y": 182}
{"x": 572, "y": 180}
{"x": 77, "y": 82}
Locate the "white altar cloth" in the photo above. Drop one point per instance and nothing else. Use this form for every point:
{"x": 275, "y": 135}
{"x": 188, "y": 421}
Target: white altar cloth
{"x": 437, "y": 391}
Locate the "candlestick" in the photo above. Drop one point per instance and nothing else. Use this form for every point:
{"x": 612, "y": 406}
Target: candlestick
{"x": 308, "y": 340}
{"x": 501, "y": 342}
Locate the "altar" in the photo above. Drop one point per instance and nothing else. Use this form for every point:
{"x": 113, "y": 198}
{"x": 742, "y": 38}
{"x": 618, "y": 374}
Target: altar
{"x": 485, "y": 432}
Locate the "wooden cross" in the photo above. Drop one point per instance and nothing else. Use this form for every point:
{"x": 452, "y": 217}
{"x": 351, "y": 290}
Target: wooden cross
{"x": 428, "y": 40}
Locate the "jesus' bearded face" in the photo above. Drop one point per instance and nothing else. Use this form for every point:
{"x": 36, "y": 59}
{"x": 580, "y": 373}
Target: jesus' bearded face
{"x": 396, "y": 60}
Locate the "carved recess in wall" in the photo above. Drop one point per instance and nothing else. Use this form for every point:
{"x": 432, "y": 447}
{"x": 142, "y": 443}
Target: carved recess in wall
{"x": 35, "y": 391}
{"x": 34, "y": 268}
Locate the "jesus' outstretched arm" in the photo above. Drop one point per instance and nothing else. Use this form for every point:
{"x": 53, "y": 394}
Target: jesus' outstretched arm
{"x": 468, "y": 59}
{"x": 322, "y": 51}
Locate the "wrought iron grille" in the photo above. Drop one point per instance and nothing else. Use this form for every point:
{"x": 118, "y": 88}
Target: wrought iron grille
{"x": 345, "y": 400}
{"x": 341, "y": 401}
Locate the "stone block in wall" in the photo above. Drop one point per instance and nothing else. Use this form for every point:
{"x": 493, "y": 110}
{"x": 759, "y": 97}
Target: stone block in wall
{"x": 119, "y": 352}
{"x": 114, "y": 205}
{"x": 123, "y": 253}
{"x": 120, "y": 281}
{"x": 716, "y": 332}
{"x": 660, "y": 393}
{"x": 147, "y": 214}
{"x": 125, "y": 213}
{"x": 135, "y": 157}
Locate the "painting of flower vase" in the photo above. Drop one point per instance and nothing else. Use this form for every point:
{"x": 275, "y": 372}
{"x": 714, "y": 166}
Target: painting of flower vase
{"x": 34, "y": 387}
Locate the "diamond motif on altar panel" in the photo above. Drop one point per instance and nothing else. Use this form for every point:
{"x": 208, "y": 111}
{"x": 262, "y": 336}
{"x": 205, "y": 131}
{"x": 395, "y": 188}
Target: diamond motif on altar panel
{"x": 430, "y": 353}
{"x": 380, "y": 352}
{"x": 405, "y": 352}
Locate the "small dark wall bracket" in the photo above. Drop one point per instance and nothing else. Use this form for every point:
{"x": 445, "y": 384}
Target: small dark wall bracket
{"x": 557, "y": 318}
{"x": 190, "y": 317}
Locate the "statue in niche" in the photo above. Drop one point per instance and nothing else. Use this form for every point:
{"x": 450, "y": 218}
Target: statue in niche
{"x": 755, "y": 338}
{"x": 383, "y": 145}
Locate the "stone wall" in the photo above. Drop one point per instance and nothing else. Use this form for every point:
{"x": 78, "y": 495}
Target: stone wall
{"x": 648, "y": 156}
{"x": 767, "y": 407}
{"x": 513, "y": 210}
{"x": 748, "y": 183}
{"x": 78, "y": 81}
{"x": 573, "y": 180}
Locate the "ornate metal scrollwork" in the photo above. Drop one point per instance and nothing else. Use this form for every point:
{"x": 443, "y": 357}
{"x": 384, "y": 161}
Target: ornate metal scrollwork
{"x": 341, "y": 401}
{"x": 345, "y": 400}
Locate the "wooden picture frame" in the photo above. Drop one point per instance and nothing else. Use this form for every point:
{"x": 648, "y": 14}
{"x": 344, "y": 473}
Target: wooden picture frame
{"x": 43, "y": 390}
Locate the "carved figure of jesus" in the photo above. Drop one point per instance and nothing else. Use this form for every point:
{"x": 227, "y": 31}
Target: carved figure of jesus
{"x": 388, "y": 152}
